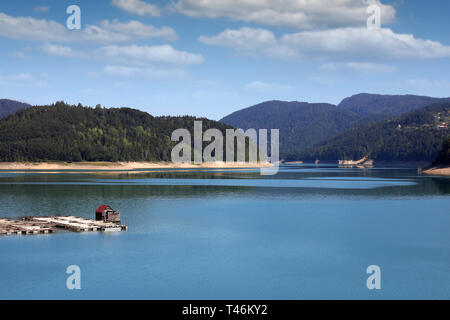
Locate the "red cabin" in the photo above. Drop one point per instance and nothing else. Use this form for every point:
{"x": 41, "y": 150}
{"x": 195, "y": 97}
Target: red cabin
{"x": 106, "y": 214}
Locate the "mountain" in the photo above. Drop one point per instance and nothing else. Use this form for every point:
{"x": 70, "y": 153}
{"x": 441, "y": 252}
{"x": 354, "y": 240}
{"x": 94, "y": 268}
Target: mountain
{"x": 76, "y": 133}
{"x": 366, "y": 104}
{"x": 11, "y": 106}
{"x": 301, "y": 124}
{"x": 414, "y": 136}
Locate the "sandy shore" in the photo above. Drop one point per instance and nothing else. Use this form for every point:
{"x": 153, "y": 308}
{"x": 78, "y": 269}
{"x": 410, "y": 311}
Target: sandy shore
{"x": 123, "y": 166}
{"x": 438, "y": 171}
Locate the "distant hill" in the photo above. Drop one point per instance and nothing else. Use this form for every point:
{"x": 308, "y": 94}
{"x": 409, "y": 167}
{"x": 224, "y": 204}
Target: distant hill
{"x": 11, "y": 106}
{"x": 366, "y": 104}
{"x": 301, "y": 124}
{"x": 414, "y": 136}
{"x": 76, "y": 133}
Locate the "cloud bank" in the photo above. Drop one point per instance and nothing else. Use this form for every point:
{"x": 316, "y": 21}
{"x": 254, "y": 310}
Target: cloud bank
{"x": 297, "y": 14}
{"x": 354, "y": 44}
{"x": 31, "y": 29}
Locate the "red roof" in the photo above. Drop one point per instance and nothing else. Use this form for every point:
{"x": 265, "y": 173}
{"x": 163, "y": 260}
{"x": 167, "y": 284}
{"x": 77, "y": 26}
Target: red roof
{"x": 101, "y": 208}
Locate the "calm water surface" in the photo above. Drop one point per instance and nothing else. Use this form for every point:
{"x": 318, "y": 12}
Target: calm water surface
{"x": 306, "y": 233}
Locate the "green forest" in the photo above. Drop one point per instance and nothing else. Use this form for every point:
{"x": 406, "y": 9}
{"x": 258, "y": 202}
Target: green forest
{"x": 62, "y": 132}
{"x": 413, "y": 136}
{"x": 302, "y": 125}
{"x": 443, "y": 158}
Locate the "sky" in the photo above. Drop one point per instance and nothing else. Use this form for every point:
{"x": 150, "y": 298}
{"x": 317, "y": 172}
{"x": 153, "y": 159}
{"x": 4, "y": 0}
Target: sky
{"x": 210, "y": 58}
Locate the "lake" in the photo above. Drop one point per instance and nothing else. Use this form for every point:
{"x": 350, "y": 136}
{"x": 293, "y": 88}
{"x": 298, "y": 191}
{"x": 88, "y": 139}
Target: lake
{"x": 306, "y": 233}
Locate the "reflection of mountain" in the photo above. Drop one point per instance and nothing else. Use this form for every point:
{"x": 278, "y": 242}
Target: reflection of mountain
{"x": 442, "y": 184}
{"x": 41, "y": 188}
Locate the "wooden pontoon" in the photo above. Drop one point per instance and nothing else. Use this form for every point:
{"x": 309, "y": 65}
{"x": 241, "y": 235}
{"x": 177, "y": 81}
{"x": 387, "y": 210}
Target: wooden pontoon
{"x": 10, "y": 227}
{"x": 109, "y": 221}
{"x": 76, "y": 224}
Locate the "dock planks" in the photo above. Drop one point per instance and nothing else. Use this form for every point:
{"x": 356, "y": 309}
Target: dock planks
{"x": 10, "y": 227}
{"x": 45, "y": 225}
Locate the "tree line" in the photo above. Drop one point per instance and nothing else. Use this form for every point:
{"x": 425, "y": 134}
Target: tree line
{"x": 62, "y": 132}
{"x": 414, "y": 136}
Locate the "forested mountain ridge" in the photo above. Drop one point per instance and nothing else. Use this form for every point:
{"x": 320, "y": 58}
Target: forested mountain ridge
{"x": 75, "y": 133}
{"x": 307, "y": 131}
{"x": 301, "y": 124}
{"x": 414, "y": 136}
{"x": 366, "y": 104}
{"x": 10, "y": 106}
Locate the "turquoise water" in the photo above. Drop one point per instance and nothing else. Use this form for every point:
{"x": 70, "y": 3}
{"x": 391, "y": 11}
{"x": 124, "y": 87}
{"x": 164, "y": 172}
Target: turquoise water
{"x": 306, "y": 233}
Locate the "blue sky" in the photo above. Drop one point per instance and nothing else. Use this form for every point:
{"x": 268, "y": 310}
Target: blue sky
{"x": 212, "y": 57}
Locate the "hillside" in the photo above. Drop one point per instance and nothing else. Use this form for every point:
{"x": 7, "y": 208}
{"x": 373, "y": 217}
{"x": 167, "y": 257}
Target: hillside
{"x": 414, "y": 136}
{"x": 301, "y": 124}
{"x": 76, "y": 133}
{"x": 443, "y": 158}
{"x": 366, "y": 104}
{"x": 11, "y": 106}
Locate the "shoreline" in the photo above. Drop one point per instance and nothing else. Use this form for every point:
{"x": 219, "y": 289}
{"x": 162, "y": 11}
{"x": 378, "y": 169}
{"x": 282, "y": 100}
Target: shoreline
{"x": 438, "y": 171}
{"x": 124, "y": 166}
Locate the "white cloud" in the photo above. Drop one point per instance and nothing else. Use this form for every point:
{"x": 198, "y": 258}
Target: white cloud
{"x": 262, "y": 86}
{"x": 245, "y": 39}
{"x": 148, "y": 54}
{"x": 23, "y": 79}
{"x": 31, "y": 29}
{"x": 363, "y": 42}
{"x": 138, "y": 7}
{"x": 139, "y": 30}
{"x": 162, "y": 61}
{"x": 27, "y": 28}
{"x": 360, "y": 67}
{"x": 339, "y": 44}
{"x": 298, "y": 14}
{"x": 156, "y": 73}
{"x": 61, "y": 51}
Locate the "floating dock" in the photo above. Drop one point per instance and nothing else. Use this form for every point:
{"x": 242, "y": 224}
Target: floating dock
{"x": 45, "y": 225}
{"x": 10, "y": 227}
